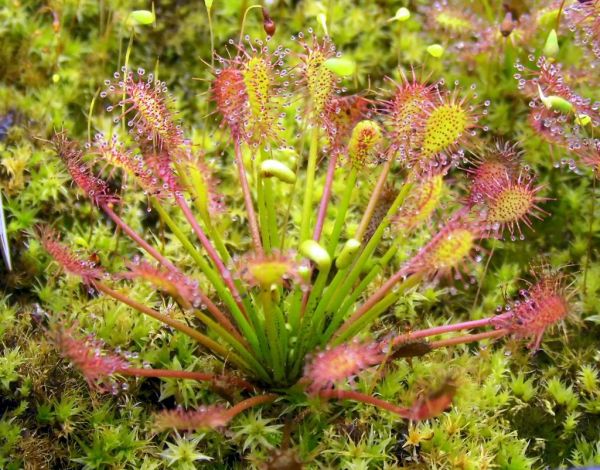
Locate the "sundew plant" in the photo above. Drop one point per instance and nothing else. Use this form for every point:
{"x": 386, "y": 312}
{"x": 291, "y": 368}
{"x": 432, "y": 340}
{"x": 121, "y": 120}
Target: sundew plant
{"x": 281, "y": 235}
{"x": 294, "y": 308}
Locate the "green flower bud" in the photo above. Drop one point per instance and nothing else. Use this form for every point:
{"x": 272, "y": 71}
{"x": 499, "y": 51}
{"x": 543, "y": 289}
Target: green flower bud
{"x": 274, "y": 168}
{"x": 402, "y": 14}
{"x": 140, "y": 17}
{"x": 364, "y": 141}
{"x": 551, "y": 48}
{"x": 316, "y": 253}
{"x": 304, "y": 273}
{"x": 346, "y": 256}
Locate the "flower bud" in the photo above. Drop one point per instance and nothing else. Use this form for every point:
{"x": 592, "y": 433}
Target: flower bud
{"x": 551, "y": 48}
{"x": 364, "y": 142}
{"x": 402, "y": 14}
{"x": 346, "y": 256}
{"x": 140, "y": 17}
{"x": 316, "y": 253}
{"x": 268, "y": 23}
{"x": 274, "y": 168}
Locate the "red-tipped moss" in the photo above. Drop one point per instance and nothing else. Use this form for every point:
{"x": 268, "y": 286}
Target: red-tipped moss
{"x": 66, "y": 259}
{"x": 87, "y": 355}
{"x": 335, "y": 365}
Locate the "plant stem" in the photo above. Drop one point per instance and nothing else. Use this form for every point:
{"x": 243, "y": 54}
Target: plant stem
{"x": 272, "y": 334}
{"x": 468, "y": 338}
{"x": 366, "y": 315}
{"x": 211, "y": 307}
{"x": 240, "y": 347}
{"x": 333, "y": 297}
{"x": 212, "y": 35}
{"x": 254, "y": 230}
{"x": 127, "y": 54}
{"x": 376, "y": 297}
{"x": 261, "y": 205}
{"x": 340, "y": 217}
{"x": 249, "y": 403}
{"x": 364, "y": 398}
{"x": 176, "y": 324}
{"x": 212, "y": 276}
{"x": 325, "y": 197}
{"x": 294, "y": 308}
{"x": 312, "y": 323}
{"x": 590, "y": 235}
{"x": 271, "y": 212}
{"x": 438, "y": 330}
{"x": 201, "y": 205}
{"x": 187, "y": 375}
{"x": 310, "y": 182}
{"x": 368, "y": 214}
{"x": 375, "y": 270}
{"x": 136, "y": 237}
{"x": 210, "y": 251}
